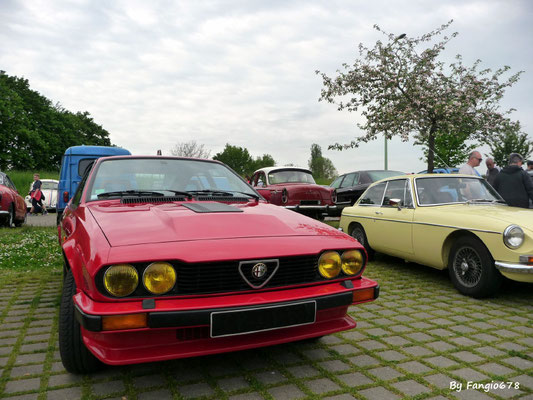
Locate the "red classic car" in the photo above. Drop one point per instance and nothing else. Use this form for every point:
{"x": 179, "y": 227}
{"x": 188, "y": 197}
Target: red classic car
{"x": 294, "y": 188}
{"x": 169, "y": 258}
{"x": 12, "y": 206}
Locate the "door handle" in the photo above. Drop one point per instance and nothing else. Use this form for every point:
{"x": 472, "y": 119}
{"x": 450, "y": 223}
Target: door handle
{"x": 379, "y": 213}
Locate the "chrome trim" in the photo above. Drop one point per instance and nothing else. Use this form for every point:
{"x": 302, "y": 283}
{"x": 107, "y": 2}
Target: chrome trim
{"x": 4, "y": 212}
{"x": 524, "y": 259}
{"x": 506, "y": 241}
{"x": 275, "y": 260}
{"x": 514, "y": 268}
{"x": 310, "y": 207}
{"x": 423, "y": 223}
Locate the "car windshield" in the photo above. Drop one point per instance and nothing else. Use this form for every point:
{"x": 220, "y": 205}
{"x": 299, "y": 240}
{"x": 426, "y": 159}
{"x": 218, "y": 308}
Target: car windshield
{"x": 49, "y": 186}
{"x": 448, "y": 190}
{"x": 165, "y": 176}
{"x": 378, "y": 175}
{"x": 290, "y": 176}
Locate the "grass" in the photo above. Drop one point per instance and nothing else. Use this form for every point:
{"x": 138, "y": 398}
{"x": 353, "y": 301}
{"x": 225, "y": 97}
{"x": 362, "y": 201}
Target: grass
{"x": 23, "y": 179}
{"x": 411, "y": 343}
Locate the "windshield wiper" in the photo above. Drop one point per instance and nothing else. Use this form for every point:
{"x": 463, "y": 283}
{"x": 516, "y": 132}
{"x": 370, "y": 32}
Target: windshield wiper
{"x": 138, "y": 193}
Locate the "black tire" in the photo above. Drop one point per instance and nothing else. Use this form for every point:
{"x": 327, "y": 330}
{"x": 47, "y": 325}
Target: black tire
{"x": 19, "y": 223}
{"x": 75, "y": 356}
{"x": 358, "y": 233}
{"x": 471, "y": 268}
{"x": 11, "y": 218}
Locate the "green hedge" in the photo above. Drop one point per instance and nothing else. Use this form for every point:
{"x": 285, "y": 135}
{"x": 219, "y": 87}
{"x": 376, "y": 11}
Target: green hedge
{"x": 23, "y": 179}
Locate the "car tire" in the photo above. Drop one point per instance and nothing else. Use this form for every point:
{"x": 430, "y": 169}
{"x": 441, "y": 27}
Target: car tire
{"x": 358, "y": 233}
{"x": 11, "y": 219}
{"x": 471, "y": 268}
{"x": 21, "y": 222}
{"x": 75, "y": 356}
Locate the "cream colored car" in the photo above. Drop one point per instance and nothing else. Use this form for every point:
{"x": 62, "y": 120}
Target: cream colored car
{"x": 457, "y": 222}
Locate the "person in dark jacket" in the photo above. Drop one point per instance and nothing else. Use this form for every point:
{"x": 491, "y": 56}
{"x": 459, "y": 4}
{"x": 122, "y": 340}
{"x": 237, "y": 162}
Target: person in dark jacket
{"x": 514, "y": 184}
{"x": 492, "y": 171}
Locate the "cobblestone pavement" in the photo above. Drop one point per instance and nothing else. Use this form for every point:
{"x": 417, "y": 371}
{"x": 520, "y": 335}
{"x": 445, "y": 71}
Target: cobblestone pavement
{"x": 419, "y": 339}
{"x": 41, "y": 220}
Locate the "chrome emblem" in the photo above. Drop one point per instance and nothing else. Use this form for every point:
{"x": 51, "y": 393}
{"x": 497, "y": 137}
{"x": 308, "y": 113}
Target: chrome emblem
{"x": 259, "y": 270}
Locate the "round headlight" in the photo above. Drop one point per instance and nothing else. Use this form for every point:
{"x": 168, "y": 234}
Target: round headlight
{"x": 329, "y": 264}
{"x": 159, "y": 277}
{"x": 513, "y": 236}
{"x": 121, "y": 280}
{"x": 352, "y": 262}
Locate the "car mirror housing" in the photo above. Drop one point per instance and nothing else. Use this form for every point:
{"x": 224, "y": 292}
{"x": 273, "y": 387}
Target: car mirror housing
{"x": 396, "y": 203}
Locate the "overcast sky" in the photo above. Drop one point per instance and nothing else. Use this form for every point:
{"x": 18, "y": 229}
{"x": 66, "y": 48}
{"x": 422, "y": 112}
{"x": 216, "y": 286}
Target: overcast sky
{"x": 156, "y": 73}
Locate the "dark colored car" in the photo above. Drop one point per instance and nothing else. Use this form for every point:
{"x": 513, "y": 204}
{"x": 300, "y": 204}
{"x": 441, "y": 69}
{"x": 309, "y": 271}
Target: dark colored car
{"x": 351, "y": 186}
{"x": 12, "y": 206}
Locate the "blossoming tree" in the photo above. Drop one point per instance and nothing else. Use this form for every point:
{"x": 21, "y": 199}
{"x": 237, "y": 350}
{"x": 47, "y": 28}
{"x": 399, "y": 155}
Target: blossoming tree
{"x": 402, "y": 89}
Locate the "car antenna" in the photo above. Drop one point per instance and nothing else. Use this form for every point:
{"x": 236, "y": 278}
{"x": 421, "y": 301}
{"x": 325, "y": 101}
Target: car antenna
{"x": 441, "y": 160}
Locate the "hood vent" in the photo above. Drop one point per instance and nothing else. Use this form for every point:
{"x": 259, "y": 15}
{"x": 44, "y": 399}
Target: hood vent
{"x": 224, "y": 199}
{"x": 148, "y": 199}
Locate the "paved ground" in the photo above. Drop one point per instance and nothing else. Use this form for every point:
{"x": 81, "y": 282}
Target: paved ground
{"x": 418, "y": 340}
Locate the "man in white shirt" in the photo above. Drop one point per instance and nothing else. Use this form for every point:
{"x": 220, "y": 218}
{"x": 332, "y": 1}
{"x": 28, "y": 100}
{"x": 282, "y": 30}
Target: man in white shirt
{"x": 474, "y": 159}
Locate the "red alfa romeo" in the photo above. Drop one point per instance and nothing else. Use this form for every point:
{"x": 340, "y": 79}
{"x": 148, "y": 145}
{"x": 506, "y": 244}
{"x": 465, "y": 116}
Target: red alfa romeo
{"x": 168, "y": 258}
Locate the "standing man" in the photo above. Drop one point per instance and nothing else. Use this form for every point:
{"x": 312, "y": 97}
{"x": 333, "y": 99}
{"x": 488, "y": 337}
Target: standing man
{"x": 514, "y": 184}
{"x": 474, "y": 159}
{"x": 492, "y": 171}
{"x": 530, "y": 168}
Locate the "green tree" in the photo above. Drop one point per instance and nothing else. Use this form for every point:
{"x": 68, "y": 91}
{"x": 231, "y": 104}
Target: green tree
{"x": 450, "y": 150}
{"x": 34, "y": 133}
{"x": 320, "y": 166}
{"x": 510, "y": 140}
{"x": 401, "y": 88}
{"x": 240, "y": 160}
{"x": 261, "y": 162}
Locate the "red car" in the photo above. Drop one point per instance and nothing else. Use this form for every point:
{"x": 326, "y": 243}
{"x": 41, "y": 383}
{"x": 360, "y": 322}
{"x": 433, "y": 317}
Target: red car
{"x": 169, "y": 258}
{"x": 12, "y": 206}
{"x": 294, "y": 188}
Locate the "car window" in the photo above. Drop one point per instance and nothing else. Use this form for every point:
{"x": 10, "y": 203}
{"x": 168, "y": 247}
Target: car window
{"x": 337, "y": 182}
{"x": 1, "y": 179}
{"x": 10, "y": 184}
{"x": 349, "y": 180}
{"x": 290, "y": 176}
{"x": 76, "y": 199}
{"x": 374, "y": 195}
{"x": 450, "y": 189}
{"x": 49, "y": 186}
{"x": 84, "y": 164}
{"x": 397, "y": 189}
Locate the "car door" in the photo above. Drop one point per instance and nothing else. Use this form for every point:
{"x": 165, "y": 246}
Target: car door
{"x": 345, "y": 193}
{"x": 394, "y": 219}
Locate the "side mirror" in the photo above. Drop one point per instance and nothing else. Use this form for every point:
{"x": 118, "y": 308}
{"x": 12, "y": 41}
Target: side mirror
{"x": 396, "y": 203}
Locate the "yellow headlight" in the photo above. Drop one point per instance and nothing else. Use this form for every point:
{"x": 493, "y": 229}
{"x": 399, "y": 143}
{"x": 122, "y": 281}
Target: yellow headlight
{"x": 352, "y": 262}
{"x": 159, "y": 277}
{"x": 329, "y": 264}
{"x": 121, "y": 280}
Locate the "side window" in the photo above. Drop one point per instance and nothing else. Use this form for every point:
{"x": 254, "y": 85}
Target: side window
{"x": 10, "y": 184}
{"x": 337, "y": 182}
{"x": 84, "y": 165}
{"x": 374, "y": 195}
{"x": 348, "y": 180}
{"x": 395, "y": 190}
{"x": 261, "y": 181}
{"x": 77, "y": 196}
{"x": 356, "y": 179}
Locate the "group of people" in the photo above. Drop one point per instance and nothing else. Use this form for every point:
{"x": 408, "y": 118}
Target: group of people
{"x": 514, "y": 184}
{"x": 37, "y": 197}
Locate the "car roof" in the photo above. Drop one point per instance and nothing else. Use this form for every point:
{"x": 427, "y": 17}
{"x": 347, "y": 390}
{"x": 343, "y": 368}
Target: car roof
{"x": 268, "y": 170}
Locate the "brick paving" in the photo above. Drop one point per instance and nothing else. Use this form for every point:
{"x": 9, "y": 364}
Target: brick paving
{"x": 417, "y": 341}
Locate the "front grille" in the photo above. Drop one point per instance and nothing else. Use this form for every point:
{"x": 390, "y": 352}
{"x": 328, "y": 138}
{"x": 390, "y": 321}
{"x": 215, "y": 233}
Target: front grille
{"x": 225, "y": 277}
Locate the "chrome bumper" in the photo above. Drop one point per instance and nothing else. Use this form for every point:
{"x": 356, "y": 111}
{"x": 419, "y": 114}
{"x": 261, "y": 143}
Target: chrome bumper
{"x": 514, "y": 267}
{"x": 4, "y": 213}
{"x": 311, "y": 207}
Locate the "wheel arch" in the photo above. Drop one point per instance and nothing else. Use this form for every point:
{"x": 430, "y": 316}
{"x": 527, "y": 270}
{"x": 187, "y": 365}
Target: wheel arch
{"x": 452, "y": 238}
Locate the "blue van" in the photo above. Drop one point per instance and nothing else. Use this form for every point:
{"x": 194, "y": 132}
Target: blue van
{"x": 73, "y": 165}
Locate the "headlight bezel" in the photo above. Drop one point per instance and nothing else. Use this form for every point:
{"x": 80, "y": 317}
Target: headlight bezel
{"x": 109, "y": 270}
{"x": 507, "y": 239}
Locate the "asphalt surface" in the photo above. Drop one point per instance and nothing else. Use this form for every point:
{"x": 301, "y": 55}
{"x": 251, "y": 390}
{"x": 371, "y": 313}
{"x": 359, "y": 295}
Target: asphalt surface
{"x": 41, "y": 220}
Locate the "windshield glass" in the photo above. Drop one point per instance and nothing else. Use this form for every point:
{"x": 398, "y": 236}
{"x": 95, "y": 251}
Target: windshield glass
{"x": 378, "y": 175}
{"x": 290, "y": 176}
{"x": 49, "y": 186}
{"x": 164, "y": 175}
{"x": 446, "y": 190}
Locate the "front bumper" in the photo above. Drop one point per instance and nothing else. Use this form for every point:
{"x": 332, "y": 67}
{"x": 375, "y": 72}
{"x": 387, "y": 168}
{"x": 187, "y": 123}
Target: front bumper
{"x": 515, "y": 271}
{"x": 311, "y": 207}
{"x": 175, "y": 331}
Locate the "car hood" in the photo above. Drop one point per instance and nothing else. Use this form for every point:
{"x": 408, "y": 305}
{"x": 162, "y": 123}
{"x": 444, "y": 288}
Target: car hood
{"x": 132, "y": 224}
{"x": 494, "y": 217}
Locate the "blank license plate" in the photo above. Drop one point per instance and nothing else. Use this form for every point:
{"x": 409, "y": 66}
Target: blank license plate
{"x": 250, "y": 320}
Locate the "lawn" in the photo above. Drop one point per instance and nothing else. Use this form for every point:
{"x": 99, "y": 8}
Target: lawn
{"x": 420, "y": 340}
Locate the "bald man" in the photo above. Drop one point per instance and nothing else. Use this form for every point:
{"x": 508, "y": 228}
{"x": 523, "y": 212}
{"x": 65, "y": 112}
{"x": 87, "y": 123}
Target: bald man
{"x": 474, "y": 159}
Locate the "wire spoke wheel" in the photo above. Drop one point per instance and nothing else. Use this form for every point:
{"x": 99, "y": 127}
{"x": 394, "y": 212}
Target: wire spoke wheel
{"x": 468, "y": 266}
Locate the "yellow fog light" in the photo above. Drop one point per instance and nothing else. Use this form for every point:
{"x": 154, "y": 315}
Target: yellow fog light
{"x": 329, "y": 264}
{"x": 352, "y": 262}
{"x": 127, "y": 321}
{"x": 159, "y": 277}
{"x": 121, "y": 280}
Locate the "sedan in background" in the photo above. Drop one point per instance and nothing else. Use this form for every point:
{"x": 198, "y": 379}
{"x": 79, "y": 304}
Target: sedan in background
{"x": 351, "y": 186}
{"x": 169, "y": 257}
{"x": 12, "y": 207}
{"x": 49, "y": 189}
{"x": 444, "y": 221}
{"x": 294, "y": 188}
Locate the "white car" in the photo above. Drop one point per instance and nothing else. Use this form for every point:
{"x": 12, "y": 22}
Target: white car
{"x": 49, "y": 189}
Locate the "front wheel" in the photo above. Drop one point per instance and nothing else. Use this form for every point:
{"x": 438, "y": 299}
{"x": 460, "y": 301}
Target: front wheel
{"x": 75, "y": 356}
{"x": 358, "y": 233}
{"x": 471, "y": 268}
